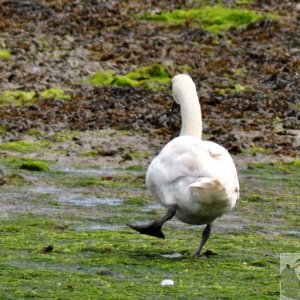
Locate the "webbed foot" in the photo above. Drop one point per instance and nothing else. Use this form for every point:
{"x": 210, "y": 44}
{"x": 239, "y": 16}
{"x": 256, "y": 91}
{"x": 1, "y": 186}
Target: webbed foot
{"x": 154, "y": 228}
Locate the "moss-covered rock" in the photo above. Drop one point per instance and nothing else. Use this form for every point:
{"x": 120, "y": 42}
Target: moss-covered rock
{"x": 124, "y": 81}
{"x": 24, "y": 163}
{"x": 4, "y": 54}
{"x": 211, "y": 18}
{"x": 34, "y": 165}
{"x": 102, "y": 78}
{"x": 54, "y": 93}
{"x": 153, "y": 77}
{"x": 24, "y": 146}
{"x": 17, "y": 97}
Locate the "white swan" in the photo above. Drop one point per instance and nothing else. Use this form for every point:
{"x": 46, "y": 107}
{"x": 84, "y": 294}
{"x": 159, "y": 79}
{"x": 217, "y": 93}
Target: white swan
{"x": 195, "y": 180}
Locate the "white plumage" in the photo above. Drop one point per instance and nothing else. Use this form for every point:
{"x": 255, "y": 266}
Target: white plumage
{"x": 196, "y": 180}
{"x": 198, "y": 176}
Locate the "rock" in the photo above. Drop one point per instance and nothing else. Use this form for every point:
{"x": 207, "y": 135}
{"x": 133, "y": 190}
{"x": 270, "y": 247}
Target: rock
{"x": 47, "y": 249}
{"x": 167, "y": 282}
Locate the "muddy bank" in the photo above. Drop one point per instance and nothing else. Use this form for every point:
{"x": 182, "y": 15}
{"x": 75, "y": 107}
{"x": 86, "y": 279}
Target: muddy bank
{"x": 248, "y": 79}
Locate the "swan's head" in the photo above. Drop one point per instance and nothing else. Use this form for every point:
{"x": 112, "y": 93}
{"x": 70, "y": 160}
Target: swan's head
{"x": 181, "y": 85}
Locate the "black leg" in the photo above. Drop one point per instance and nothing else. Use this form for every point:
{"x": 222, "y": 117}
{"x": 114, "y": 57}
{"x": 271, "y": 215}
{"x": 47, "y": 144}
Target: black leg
{"x": 154, "y": 228}
{"x": 205, "y": 235}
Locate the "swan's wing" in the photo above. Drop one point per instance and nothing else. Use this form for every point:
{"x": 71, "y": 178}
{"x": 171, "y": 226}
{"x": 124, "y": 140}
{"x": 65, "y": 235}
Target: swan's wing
{"x": 190, "y": 157}
{"x": 180, "y": 158}
{"x": 216, "y": 151}
{"x": 186, "y": 159}
{"x": 224, "y": 159}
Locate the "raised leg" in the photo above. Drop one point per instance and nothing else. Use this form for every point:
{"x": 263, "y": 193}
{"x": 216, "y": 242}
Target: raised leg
{"x": 154, "y": 228}
{"x": 205, "y": 235}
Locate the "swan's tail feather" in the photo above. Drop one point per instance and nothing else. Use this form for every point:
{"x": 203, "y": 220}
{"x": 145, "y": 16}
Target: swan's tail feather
{"x": 208, "y": 190}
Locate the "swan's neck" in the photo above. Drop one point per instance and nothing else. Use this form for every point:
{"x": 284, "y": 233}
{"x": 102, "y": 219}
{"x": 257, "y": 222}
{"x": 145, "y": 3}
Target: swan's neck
{"x": 191, "y": 115}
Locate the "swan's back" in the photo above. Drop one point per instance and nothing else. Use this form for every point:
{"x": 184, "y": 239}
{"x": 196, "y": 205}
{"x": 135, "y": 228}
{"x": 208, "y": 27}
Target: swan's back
{"x": 190, "y": 172}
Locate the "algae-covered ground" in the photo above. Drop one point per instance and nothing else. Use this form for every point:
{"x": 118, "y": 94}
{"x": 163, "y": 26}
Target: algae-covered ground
{"x": 85, "y": 104}
{"x": 63, "y": 232}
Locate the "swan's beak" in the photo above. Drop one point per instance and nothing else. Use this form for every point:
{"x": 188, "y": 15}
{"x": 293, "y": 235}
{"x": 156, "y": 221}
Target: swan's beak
{"x": 174, "y": 106}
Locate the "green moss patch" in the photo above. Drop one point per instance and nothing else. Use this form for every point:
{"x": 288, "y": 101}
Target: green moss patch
{"x": 19, "y": 97}
{"x": 256, "y": 150}
{"x": 211, "y": 18}
{"x": 13, "y": 179}
{"x": 63, "y": 136}
{"x": 137, "y": 168}
{"x": 16, "y": 97}
{"x": 54, "y": 93}
{"x": 102, "y": 78}
{"x": 234, "y": 89}
{"x": 243, "y": 1}
{"x": 24, "y": 163}
{"x": 35, "y": 165}
{"x": 24, "y": 146}
{"x": 2, "y": 129}
{"x": 154, "y": 77}
{"x": 60, "y": 254}
{"x": 4, "y": 54}
{"x": 291, "y": 167}
{"x": 118, "y": 181}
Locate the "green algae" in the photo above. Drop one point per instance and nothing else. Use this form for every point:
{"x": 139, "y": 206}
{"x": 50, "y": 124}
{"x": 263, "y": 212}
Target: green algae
{"x": 4, "y": 54}
{"x": 235, "y": 89}
{"x": 20, "y": 97}
{"x": 14, "y": 165}
{"x": 117, "y": 263}
{"x": 24, "y": 162}
{"x": 238, "y": 88}
{"x": 35, "y": 165}
{"x": 243, "y": 1}
{"x": 14, "y": 179}
{"x": 137, "y": 155}
{"x": 256, "y": 150}
{"x": 102, "y": 78}
{"x": 122, "y": 265}
{"x": 23, "y": 146}
{"x": 16, "y": 97}
{"x": 154, "y": 77}
{"x": 2, "y": 129}
{"x": 54, "y": 93}
{"x": 289, "y": 167}
{"x": 90, "y": 153}
{"x": 137, "y": 168}
{"x": 211, "y": 18}
{"x": 117, "y": 181}
{"x": 63, "y": 136}
{"x": 125, "y": 80}
{"x": 233, "y": 79}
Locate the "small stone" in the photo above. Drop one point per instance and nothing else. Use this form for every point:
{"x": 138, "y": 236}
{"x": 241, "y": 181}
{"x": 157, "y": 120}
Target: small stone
{"x": 167, "y": 282}
{"x": 171, "y": 255}
{"x": 47, "y": 249}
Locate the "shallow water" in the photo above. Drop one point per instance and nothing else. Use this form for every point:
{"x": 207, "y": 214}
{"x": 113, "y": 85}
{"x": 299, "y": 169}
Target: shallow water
{"x": 172, "y": 255}
{"x": 45, "y": 189}
{"x": 95, "y": 227}
{"x": 93, "y": 171}
{"x": 88, "y": 201}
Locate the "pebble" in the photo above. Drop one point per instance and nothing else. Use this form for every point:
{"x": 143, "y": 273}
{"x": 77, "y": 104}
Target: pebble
{"x": 167, "y": 282}
{"x": 172, "y": 255}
